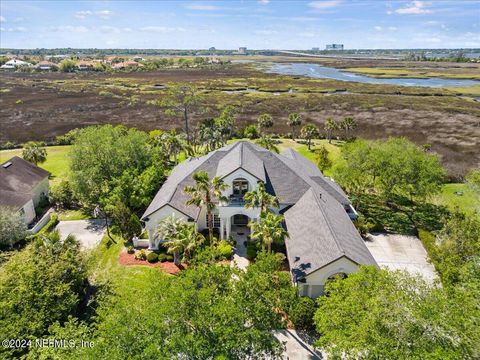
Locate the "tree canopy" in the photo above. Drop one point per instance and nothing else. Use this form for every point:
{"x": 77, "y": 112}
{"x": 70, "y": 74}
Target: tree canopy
{"x": 395, "y": 167}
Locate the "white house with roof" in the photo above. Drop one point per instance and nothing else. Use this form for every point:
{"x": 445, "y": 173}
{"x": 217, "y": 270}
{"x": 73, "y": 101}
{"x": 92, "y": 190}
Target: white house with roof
{"x": 23, "y": 186}
{"x": 322, "y": 242}
{"x": 15, "y": 63}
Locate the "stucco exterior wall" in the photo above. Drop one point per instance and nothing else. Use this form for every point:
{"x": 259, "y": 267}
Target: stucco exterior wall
{"x": 28, "y": 212}
{"x": 315, "y": 282}
{"x": 155, "y": 218}
{"x": 40, "y": 191}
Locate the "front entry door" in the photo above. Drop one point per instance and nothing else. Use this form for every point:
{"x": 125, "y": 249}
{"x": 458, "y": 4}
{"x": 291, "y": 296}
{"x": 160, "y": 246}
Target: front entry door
{"x": 240, "y": 220}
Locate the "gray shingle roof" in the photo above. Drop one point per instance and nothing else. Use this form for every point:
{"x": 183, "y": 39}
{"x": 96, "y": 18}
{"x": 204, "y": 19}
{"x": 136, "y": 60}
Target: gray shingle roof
{"x": 18, "y": 180}
{"x": 320, "y": 232}
{"x": 320, "y": 229}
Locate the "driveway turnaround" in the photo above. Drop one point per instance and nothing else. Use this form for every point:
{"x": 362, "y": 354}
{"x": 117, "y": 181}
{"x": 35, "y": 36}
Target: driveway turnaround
{"x": 401, "y": 252}
{"x": 87, "y": 232}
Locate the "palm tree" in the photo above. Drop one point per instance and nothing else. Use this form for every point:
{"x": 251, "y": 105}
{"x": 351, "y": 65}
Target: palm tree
{"x": 225, "y": 123}
{"x": 268, "y": 143}
{"x": 294, "y": 120}
{"x": 309, "y": 131}
{"x": 330, "y": 127}
{"x": 34, "y": 152}
{"x": 260, "y": 198}
{"x": 190, "y": 239}
{"x": 168, "y": 230}
{"x": 203, "y": 194}
{"x": 348, "y": 124}
{"x": 269, "y": 230}
{"x": 172, "y": 143}
{"x": 265, "y": 121}
{"x": 210, "y": 135}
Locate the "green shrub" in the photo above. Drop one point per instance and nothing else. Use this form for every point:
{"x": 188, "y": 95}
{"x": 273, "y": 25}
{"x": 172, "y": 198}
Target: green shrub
{"x": 162, "y": 257}
{"x": 363, "y": 226}
{"x": 130, "y": 250}
{"x": 251, "y": 132}
{"x": 152, "y": 257}
{"x": 302, "y": 312}
{"x": 251, "y": 251}
{"x": 169, "y": 257}
{"x": 141, "y": 255}
{"x": 225, "y": 250}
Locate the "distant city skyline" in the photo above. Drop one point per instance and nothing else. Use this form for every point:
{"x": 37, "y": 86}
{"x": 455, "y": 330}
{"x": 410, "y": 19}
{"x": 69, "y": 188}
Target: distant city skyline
{"x": 263, "y": 24}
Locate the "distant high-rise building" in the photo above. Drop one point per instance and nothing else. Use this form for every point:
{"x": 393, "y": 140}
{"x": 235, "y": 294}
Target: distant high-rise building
{"x": 242, "y": 50}
{"x": 334, "y": 47}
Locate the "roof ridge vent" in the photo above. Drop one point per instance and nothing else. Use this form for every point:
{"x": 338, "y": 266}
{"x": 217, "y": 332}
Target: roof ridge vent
{"x": 7, "y": 164}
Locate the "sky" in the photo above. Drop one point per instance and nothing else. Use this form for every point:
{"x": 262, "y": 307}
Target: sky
{"x": 255, "y": 24}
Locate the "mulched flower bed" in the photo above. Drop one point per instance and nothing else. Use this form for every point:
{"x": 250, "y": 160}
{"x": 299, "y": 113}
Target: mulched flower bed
{"x": 169, "y": 267}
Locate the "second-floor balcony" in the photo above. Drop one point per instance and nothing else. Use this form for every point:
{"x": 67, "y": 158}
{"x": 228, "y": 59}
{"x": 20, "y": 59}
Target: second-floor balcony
{"x": 232, "y": 200}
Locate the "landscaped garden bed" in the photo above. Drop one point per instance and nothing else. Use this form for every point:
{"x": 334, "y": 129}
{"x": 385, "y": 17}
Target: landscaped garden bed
{"x": 169, "y": 267}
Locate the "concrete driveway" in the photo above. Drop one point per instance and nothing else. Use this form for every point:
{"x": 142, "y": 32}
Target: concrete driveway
{"x": 297, "y": 347}
{"x": 401, "y": 252}
{"x": 87, "y": 232}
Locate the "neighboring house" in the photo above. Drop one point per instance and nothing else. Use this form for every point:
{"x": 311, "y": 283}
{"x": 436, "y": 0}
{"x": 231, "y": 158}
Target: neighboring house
{"x": 85, "y": 65}
{"x": 15, "y": 63}
{"x": 46, "y": 66}
{"x": 322, "y": 243}
{"x": 23, "y": 186}
{"x": 127, "y": 64}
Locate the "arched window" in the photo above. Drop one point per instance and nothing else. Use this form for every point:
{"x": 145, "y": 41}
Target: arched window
{"x": 240, "y": 188}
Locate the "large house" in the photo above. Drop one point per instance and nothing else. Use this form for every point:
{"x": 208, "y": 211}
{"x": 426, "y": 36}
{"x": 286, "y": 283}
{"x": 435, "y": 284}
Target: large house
{"x": 23, "y": 186}
{"x": 322, "y": 242}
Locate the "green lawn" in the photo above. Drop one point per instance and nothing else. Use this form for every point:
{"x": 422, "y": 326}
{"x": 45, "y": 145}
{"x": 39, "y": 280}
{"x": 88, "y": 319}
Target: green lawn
{"x": 57, "y": 161}
{"x": 458, "y": 196}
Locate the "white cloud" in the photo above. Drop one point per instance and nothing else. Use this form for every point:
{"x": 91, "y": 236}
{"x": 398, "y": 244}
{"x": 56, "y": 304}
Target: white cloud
{"x": 104, "y": 14}
{"x": 15, "y": 29}
{"x": 68, "y": 28}
{"x": 162, "y": 29}
{"x": 415, "y": 7}
{"x": 393, "y": 28}
{"x": 2, "y": 19}
{"x": 307, "y": 34}
{"x": 320, "y": 5}
{"x": 263, "y": 2}
{"x": 378, "y": 28}
{"x": 265, "y": 32}
{"x": 201, "y": 7}
{"x": 83, "y": 14}
{"x": 3, "y": 29}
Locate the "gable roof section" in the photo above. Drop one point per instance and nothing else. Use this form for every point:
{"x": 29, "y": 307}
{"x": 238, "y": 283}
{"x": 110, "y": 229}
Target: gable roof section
{"x": 320, "y": 232}
{"x": 241, "y": 156}
{"x": 18, "y": 180}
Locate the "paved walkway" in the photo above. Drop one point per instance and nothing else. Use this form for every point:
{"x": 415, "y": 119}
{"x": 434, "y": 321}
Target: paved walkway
{"x": 87, "y": 232}
{"x": 240, "y": 233}
{"x": 401, "y": 252}
{"x": 296, "y": 348}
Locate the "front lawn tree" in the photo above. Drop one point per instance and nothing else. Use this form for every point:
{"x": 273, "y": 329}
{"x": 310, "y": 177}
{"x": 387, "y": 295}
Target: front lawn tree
{"x": 294, "y": 121}
{"x": 309, "y": 132}
{"x": 184, "y": 100}
{"x": 168, "y": 230}
{"x": 269, "y": 229}
{"x": 473, "y": 180}
{"x": 12, "y": 227}
{"x": 204, "y": 194}
{"x": 379, "y": 314}
{"x": 322, "y": 159}
{"x": 34, "y": 152}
